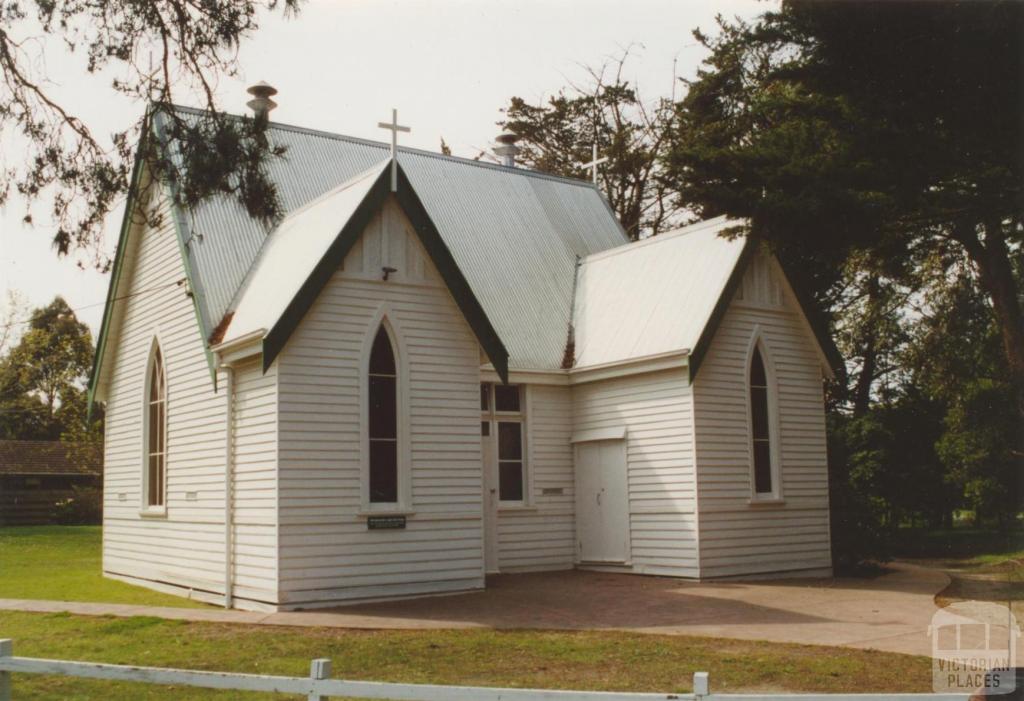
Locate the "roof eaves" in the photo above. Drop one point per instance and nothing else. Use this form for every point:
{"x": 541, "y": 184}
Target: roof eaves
{"x": 431, "y": 239}
{"x": 115, "y": 276}
{"x": 700, "y": 348}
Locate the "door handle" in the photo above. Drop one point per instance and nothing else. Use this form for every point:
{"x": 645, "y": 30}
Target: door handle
{"x": 599, "y": 498}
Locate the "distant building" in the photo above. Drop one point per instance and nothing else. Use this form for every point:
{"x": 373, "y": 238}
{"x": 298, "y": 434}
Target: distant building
{"x": 36, "y": 475}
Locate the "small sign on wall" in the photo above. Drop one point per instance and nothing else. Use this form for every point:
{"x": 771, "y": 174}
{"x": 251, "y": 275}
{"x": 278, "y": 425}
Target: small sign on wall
{"x": 384, "y": 523}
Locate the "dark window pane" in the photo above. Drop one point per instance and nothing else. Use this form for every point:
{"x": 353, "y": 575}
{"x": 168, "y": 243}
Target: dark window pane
{"x": 757, "y": 373}
{"x": 156, "y": 479}
{"x": 154, "y": 428}
{"x": 485, "y": 428}
{"x": 506, "y": 397}
{"x": 382, "y": 357}
{"x": 759, "y": 411}
{"x": 383, "y": 407}
{"x": 510, "y": 481}
{"x": 156, "y": 379}
{"x": 510, "y": 440}
{"x": 484, "y": 397}
{"x": 762, "y": 467}
{"x": 383, "y": 471}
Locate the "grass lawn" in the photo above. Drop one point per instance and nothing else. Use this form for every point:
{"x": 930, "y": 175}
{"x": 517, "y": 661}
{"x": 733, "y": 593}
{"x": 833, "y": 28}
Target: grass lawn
{"x": 982, "y": 565}
{"x": 608, "y": 661}
{"x": 64, "y": 563}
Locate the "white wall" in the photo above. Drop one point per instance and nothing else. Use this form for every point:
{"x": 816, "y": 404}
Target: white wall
{"x": 326, "y": 551}
{"x": 186, "y": 547}
{"x": 655, "y": 408}
{"x": 737, "y": 537}
{"x": 254, "y": 520}
{"x": 539, "y": 536}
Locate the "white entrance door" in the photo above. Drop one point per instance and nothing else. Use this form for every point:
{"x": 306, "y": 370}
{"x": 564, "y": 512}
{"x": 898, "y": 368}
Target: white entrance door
{"x": 490, "y": 499}
{"x": 602, "y": 508}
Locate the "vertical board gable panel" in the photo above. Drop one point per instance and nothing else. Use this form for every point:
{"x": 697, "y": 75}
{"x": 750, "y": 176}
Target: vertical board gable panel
{"x": 327, "y": 552}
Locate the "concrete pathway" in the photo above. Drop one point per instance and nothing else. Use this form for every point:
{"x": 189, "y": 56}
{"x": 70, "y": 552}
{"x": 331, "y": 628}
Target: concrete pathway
{"x": 891, "y": 612}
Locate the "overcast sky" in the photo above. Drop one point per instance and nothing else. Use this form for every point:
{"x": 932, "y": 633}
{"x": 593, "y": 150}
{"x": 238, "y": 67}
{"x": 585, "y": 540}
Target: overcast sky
{"x": 447, "y": 65}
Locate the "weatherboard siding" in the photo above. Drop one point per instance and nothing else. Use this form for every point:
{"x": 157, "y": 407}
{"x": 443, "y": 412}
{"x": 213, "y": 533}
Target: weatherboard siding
{"x": 254, "y": 484}
{"x": 327, "y": 552}
{"x": 737, "y": 537}
{"x": 539, "y": 536}
{"x": 656, "y": 411}
{"x": 186, "y": 547}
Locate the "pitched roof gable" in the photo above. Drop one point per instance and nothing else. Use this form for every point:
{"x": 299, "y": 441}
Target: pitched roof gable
{"x": 305, "y": 250}
{"x": 667, "y": 294}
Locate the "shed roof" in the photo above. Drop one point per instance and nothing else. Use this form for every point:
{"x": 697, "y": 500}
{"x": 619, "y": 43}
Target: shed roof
{"x": 515, "y": 234}
{"x": 49, "y": 458}
{"x": 654, "y": 296}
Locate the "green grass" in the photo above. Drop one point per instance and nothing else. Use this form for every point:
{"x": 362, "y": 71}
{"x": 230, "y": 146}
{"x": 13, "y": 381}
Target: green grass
{"x": 961, "y": 543}
{"x": 609, "y": 661}
{"x": 64, "y": 563}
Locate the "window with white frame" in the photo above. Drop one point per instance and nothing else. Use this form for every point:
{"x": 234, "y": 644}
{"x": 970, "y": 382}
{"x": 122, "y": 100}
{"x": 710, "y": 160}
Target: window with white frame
{"x": 156, "y": 433}
{"x": 503, "y": 421}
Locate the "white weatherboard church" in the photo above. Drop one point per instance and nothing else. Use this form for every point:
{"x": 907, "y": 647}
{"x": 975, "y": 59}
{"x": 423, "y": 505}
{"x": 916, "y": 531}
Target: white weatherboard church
{"x": 433, "y": 369}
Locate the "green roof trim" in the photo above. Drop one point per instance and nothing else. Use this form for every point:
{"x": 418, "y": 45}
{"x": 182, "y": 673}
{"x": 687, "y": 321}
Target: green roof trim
{"x": 429, "y": 236}
{"x": 821, "y": 335}
{"x": 115, "y": 276}
{"x": 153, "y": 127}
{"x": 183, "y": 236}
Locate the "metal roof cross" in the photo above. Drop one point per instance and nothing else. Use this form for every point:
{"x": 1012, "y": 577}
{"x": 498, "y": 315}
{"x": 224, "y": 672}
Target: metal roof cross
{"x": 394, "y": 127}
{"x": 594, "y": 164}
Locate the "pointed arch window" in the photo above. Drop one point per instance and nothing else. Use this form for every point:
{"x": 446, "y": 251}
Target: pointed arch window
{"x": 382, "y": 417}
{"x": 760, "y": 427}
{"x": 156, "y": 433}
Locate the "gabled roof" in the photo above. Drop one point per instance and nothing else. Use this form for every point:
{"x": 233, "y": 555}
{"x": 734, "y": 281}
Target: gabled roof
{"x": 49, "y": 458}
{"x": 666, "y": 294}
{"x": 654, "y": 296}
{"x": 513, "y": 233}
{"x": 303, "y": 252}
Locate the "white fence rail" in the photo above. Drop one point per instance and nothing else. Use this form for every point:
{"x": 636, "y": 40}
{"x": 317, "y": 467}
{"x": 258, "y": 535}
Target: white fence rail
{"x": 319, "y": 687}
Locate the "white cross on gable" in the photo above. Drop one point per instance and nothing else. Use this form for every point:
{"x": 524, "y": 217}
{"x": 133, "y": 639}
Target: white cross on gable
{"x": 594, "y": 163}
{"x": 394, "y": 127}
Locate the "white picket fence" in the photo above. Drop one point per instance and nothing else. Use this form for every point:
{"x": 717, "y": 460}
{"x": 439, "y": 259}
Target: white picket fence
{"x": 319, "y": 687}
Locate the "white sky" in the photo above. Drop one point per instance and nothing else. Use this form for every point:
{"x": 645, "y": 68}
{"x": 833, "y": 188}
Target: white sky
{"x": 447, "y": 65}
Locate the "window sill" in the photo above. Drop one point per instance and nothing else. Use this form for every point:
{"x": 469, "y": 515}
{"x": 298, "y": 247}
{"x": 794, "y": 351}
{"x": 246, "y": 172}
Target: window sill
{"x": 153, "y": 512}
{"x": 766, "y": 501}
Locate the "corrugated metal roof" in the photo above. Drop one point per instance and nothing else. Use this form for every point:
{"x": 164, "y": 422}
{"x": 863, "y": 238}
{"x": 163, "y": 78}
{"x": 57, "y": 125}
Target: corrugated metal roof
{"x": 297, "y": 244}
{"x": 654, "y": 296}
{"x": 515, "y": 234}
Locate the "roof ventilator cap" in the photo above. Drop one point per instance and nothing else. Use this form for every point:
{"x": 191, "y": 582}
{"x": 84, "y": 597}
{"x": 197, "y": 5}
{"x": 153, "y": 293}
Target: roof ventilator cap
{"x": 506, "y": 149}
{"x": 261, "y": 104}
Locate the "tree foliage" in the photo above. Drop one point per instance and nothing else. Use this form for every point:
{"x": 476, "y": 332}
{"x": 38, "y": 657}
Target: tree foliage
{"x": 43, "y": 377}
{"x": 194, "y": 43}
{"x": 558, "y": 136}
{"x": 877, "y": 127}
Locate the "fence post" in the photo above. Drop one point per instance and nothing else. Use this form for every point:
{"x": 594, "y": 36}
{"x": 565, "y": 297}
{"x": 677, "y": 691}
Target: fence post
{"x": 701, "y": 686}
{"x": 6, "y": 650}
{"x": 318, "y": 669}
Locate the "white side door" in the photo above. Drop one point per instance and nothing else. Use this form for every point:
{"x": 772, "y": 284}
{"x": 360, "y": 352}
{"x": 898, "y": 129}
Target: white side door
{"x": 602, "y": 502}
